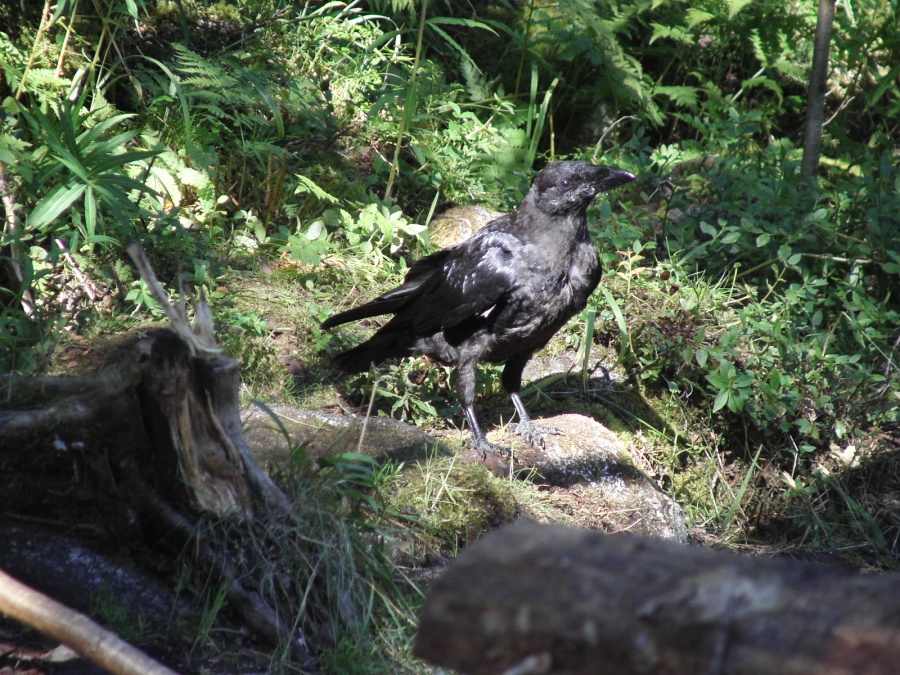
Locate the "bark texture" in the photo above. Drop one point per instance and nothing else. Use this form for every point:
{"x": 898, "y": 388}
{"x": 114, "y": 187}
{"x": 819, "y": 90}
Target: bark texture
{"x": 153, "y": 441}
{"x": 552, "y": 599}
{"x": 815, "y": 103}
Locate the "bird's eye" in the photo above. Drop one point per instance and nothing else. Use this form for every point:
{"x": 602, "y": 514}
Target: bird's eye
{"x": 566, "y": 183}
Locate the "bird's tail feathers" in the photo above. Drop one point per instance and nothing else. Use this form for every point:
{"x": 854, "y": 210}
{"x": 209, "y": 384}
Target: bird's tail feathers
{"x": 377, "y": 307}
{"x": 376, "y": 349}
{"x": 393, "y": 300}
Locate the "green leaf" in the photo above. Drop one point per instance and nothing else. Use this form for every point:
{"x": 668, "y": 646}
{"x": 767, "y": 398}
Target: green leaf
{"x": 731, "y": 237}
{"x": 123, "y": 159}
{"x": 743, "y": 381}
{"x": 721, "y": 400}
{"x": 90, "y": 212}
{"x": 886, "y": 82}
{"x": 766, "y": 82}
{"x": 54, "y": 204}
{"x": 735, "y": 401}
{"x": 468, "y": 23}
{"x": 676, "y": 33}
{"x": 686, "y": 96}
{"x": 701, "y": 356}
{"x": 175, "y": 88}
{"x": 308, "y": 186}
{"x": 698, "y": 16}
{"x": 625, "y": 340}
{"x": 817, "y": 216}
{"x": 775, "y": 381}
{"x": 735, "y": 6}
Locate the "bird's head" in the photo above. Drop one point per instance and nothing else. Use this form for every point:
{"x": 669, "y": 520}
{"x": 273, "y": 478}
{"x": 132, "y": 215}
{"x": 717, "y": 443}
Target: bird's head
{"x": 569, "y": 187}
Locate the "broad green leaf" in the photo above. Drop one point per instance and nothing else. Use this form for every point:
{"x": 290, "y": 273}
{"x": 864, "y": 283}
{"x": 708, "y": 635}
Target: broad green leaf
{"x": 54, "y": 204}
{"x": 743, "y": 381}
{"x": 731, "y": 236}
{"x": 735, "y": 402}
{"x": 701, "y": 356}
{"x": 721, "y": 400}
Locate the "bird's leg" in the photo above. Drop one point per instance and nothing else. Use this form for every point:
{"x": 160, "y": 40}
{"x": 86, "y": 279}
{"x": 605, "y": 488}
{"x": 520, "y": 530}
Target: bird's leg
{"x": 512, "y": 382}
{"x": 466, "y": 391}
{"x": 528, "y": 430}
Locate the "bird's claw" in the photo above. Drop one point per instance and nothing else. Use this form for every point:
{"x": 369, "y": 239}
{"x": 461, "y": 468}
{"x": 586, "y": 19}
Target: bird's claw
{"x": 531, "y": 432}
{"x": 484, "y": 446}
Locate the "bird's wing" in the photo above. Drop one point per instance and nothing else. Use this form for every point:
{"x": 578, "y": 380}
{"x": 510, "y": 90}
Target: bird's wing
{"x": 392, "y": 301}
{"x": 450, "y": 286}
{"x": 474, "y": 277}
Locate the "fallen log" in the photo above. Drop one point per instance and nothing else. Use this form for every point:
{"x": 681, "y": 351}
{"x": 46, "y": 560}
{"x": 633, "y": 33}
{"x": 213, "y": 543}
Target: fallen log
{"x": 551, "y": 599}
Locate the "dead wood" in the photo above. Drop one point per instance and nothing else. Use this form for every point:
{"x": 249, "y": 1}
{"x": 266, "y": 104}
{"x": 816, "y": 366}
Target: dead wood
{"x": 92, "y": 641}
{"x": 552, "y": 599}
{"x": 158, "y": 433}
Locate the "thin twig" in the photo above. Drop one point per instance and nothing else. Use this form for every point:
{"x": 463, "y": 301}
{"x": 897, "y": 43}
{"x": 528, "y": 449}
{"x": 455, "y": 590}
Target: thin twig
{"x": 85, "y": 281}
{"x": 606, "y": 133}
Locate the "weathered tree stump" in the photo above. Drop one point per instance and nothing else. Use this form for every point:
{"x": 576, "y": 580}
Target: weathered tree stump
{"x": 550, "y": 599}
{"x": 157, "y": 434}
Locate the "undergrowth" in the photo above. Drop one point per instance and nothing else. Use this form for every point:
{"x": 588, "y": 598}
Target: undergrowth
{"x": 326, "y": 568}
{"x": 309, "y": 146}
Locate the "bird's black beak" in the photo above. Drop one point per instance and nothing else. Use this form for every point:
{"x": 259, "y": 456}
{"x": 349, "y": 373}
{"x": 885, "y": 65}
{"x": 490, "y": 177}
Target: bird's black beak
{"x": 609, "y": 177}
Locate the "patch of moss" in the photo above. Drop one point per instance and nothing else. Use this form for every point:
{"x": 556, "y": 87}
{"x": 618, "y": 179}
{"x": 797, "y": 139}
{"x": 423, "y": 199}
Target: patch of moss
{"x": 451, "y": 503}
{"x": 691, "y": 487}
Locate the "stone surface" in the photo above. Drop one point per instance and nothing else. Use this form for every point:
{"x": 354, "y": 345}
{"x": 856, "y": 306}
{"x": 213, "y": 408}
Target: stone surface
{"x": 458, "y": 223}
{"x": 590, "y": 464}
{"x": 586, "y": 471}
{"x": 327, "y": 433}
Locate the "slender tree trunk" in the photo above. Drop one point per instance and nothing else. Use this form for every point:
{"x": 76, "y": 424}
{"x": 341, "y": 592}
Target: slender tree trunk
{"x": 818, "y": 80}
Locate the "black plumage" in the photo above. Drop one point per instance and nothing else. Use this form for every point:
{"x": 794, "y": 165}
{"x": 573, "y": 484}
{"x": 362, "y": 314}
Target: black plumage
{"x": 498, "y": 296}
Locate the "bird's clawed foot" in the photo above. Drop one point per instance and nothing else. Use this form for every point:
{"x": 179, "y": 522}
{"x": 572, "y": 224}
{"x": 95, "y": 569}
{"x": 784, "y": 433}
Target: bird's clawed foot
{"x": 484, "y": 446}
{"x": 531, "y": 432}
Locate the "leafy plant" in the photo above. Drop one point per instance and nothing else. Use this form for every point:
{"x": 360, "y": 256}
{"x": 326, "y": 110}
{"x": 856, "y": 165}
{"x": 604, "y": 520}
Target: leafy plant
{"x": 86, "y": 172}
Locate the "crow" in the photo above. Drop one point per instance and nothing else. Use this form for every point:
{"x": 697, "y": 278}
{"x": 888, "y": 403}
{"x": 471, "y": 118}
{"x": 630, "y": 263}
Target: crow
{"x": 499, "y": 296}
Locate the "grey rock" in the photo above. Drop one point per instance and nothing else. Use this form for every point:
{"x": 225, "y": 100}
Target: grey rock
{"x": 274, "y": 432}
